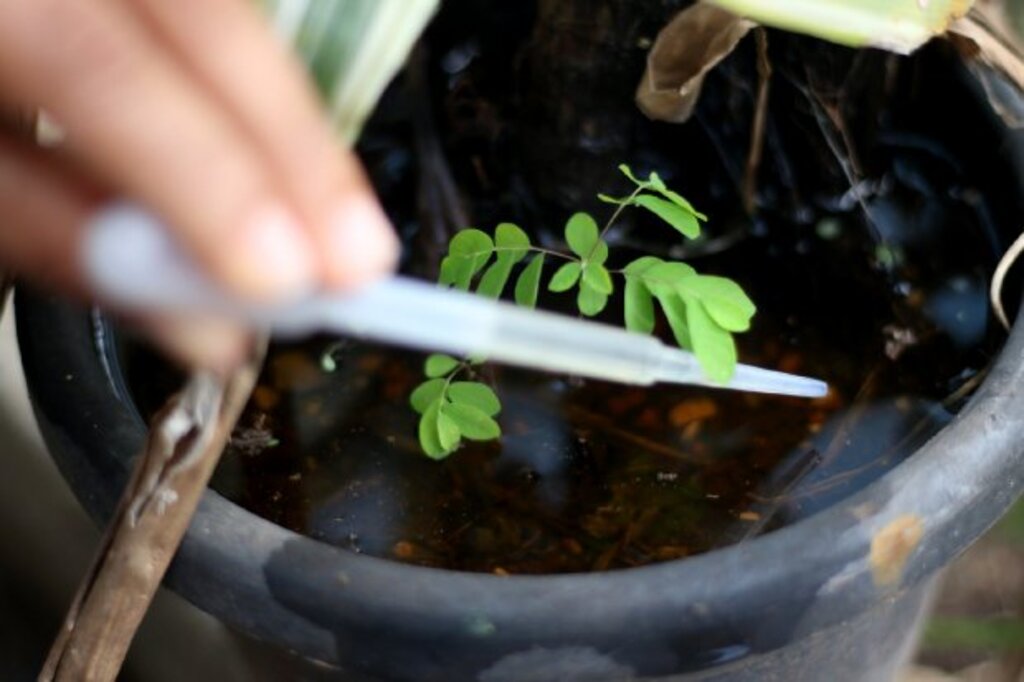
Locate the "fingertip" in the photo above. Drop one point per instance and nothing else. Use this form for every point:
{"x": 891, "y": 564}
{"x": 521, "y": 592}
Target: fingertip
{"x": 361, "y": 244}
{"x": 271, "y": 258}
{"x": 200, "y": 342}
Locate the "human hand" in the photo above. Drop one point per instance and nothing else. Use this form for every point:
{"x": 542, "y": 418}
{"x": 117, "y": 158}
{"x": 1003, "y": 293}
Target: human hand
{"x": 196, "y": 110}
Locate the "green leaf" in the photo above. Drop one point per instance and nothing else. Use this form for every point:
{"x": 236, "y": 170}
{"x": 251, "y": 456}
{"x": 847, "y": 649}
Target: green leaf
{"x": 429, "y": 435}
{"x": 675, "y": 312}
{"x": 682, "y": 203}
{"x": 655, "y": 182}
{"x": 600, "y": 253}
{"x": 713, "y": 346}
{"x": 529, "y": 282}
{"x": 598, "y": 278}
{"x": 664, "y": 278}
{"x": 438, "y": 365}
{"x": 476, "y": 395}
{"x": 426, "y": 393}
{"x": 472, "y": 422}
{"x": 641, "y": 265}
{"x": 590, "y": 301}
{"x": 581, "y": 234}
{"x": 512, "y": 240}
{"x": 449, "y": 271}
{"x": 682, "y": 220}
{"x": 468, "y": 252}
{"x": 565, "y": 277}
{"x": 723, "y": 299}
{"x": 470, "y": 243}
{"x": 448, "y": 432}
{"x": 628, "y": 172}
{"x": 639, "y": 306}
{"x": 495, "y": 278}
{"x": 612, "y": 200}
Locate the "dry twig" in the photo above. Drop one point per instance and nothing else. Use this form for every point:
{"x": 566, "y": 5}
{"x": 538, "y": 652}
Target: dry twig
{"x": 764, "y": 74}
{"x": 170, "y": 476}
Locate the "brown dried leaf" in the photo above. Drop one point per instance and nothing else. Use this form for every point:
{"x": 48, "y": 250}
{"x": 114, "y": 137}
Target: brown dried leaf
{"x": 984, "y": 40}
{"x": 696, "y": 40}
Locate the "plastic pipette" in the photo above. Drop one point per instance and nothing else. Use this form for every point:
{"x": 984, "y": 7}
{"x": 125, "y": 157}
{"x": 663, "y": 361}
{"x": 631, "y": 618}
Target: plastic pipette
{"x": 133, "y": 262}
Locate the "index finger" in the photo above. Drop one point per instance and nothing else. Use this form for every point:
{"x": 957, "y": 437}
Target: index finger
{"x": 232, "y": 50}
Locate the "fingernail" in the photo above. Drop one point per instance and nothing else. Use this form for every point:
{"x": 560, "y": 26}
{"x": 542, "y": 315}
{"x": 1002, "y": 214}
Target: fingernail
{"x": 362, "y": 243}
{"x": 276, "y": 255}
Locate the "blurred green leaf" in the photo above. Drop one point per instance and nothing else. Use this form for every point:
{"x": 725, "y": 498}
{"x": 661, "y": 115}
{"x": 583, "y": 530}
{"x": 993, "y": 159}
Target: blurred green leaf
{"x": 429, "y": 436}
{"x": 438, "y": 365}
{"x": 679, "y": 218}
{"x": 426, "y": 393}
{"x": 675, "y": 312}
{"x": 724, "y": 299}
{"x": 529, "y": 282}
{"x": 598, "y": 278}
{"x": 581, "y": 234}
{"x": 448, "y": 433}
{"x": 472, "y": 422}
{"x": 713, "y": 346}
{"x": 475, "y": 394}
{"x": 590, "y": 301}
{"x": 512, "y": 240}
{"x": 638, "y": 306}
{"x": 565, "y": 277}
{"x": 495, "y": 278}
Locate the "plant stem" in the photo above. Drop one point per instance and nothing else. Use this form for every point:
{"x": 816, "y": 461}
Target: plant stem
{"x": 534, "y": 249}
{"x": 618, "y": 212}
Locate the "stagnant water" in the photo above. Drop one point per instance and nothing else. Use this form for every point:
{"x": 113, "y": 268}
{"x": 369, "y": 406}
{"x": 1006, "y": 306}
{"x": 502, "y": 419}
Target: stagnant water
{"x": 591, "y": 476}
{"x": 879, "y": 290}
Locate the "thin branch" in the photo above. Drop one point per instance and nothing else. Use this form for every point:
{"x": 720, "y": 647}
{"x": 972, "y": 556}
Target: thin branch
{"x": 764, "y": 74}
{"x": 170, "y": 476}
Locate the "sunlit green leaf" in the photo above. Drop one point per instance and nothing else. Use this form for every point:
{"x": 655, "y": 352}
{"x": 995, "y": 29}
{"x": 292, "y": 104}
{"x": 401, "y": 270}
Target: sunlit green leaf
{"x": 724, "y": 299}
{"x": 425, "y": 394}
{"x": 512, "y": 242}
{"x": 438, "y": 365}
{"x": 639, "y": 306}
{"x": 598, "y": 278}
{"x": 713, "y": 346}
{"x": 656, "y": 183}
{"x": 590, "y": 301}
{"x": 529, "y": 282}
{"x": 565, "y": 277}
{"x": 472, "y": 422}
{"x": 675, "y": 312}
{"x": 682, "y": 203}
{"x": 663, "y": 278}
{"x": 449, "y": 271}
{"x": 628, "y": 172}
{"x": 495, "y": 278}
{"x": 448, "y": 433}
{"x": 475, "y": 394}
{"x": 581, "y": 234}
{"x": 682, "y": 220}
{"x": 468, "y": 253}
{"x": 641, "y": 265}
{"x": 470, "y": 242}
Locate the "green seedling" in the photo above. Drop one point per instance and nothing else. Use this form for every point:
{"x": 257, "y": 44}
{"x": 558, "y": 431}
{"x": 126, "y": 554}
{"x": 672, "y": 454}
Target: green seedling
{"x": 703, "y": 311}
